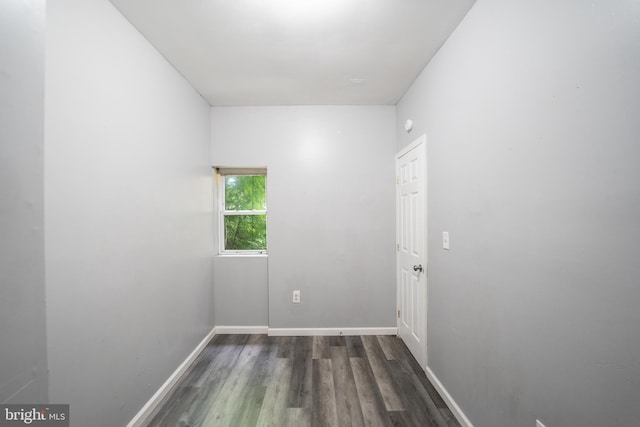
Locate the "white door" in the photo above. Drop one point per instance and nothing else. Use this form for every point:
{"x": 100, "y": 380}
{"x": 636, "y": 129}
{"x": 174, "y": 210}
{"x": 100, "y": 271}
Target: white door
{"x": 411, "y": 248}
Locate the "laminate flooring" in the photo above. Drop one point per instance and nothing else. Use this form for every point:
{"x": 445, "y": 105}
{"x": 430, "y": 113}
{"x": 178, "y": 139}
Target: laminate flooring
{"x": 337, "y": 381}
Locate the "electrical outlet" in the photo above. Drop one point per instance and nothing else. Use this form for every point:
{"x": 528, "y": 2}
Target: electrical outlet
{"x": 539, "y": 424}
{"x": 296, "y": 296}
{"x": 445, "y": 240}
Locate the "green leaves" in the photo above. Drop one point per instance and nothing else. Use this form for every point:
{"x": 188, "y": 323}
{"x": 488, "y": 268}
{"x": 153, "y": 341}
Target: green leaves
{"x": 245, "y": 232}
{"x": 245, "y": 193}
{"x": 246, "y": 228}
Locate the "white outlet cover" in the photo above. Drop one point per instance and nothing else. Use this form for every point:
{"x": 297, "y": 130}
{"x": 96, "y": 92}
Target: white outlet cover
{"x": 296, "y": 296}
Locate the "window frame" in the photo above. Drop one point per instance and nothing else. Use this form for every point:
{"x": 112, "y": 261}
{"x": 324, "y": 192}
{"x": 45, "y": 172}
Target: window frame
{"x": 221, "y": 174}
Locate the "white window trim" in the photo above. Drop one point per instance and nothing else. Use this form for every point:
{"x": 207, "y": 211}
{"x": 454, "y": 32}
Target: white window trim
{"x": 221, "y": 172}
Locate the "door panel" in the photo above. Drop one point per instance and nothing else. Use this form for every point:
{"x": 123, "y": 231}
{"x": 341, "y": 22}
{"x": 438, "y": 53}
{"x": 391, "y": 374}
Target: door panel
{"x": 411, "y": 215}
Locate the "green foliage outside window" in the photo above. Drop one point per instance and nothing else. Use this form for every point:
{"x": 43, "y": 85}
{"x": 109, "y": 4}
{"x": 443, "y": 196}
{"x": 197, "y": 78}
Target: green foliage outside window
{"x": 245, "y": 229}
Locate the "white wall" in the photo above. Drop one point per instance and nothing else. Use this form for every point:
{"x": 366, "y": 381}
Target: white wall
{"x": 128, "y": 208}
{"x": 531, "y": 108}
{"x": 241, "y": 291}
{"x": 23, "y": 362}
{"x": 331, "y": 215}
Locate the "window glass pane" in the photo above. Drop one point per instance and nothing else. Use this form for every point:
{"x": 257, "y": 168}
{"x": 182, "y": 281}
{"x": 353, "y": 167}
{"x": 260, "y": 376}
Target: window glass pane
{"x": 244, "y": 193}
{"x": 245, "y": 232}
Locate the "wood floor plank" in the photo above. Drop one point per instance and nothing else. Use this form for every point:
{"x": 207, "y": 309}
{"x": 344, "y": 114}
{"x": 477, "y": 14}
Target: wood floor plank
{"x": 417, "y": 412}
{"x": 321, "y": 348}
{"x": 347, "y": 402}
{"x": 337, "y": 341}
{"x": 199, "y": 368}
{"x": 371, "y": 402}
{"x": 416, "y": 393}
{"x": 449, "y": 417}
{"x": 378, "y": 362}
{"x": 221, "y": 354}
{"x": 285, "y": 345}
{"x": 389, "y": 345}
{"x": 323, "y": 412}
{"x": 401, "y": 419}
{"x": 176, "y": 410}
{"x": 274, "y": 405}
{"x": 248, "y": 409}
{"x": 265, "y": 362}
{"x": 256, "y": 381}
{"x": 354, "y": 346}
{"x": 404, "y": 354}
{"x": 297, "y": 417}
{"x": 220, "y": 371}
{"x": 229, "y": 399}
{"x": 300, "y": 384}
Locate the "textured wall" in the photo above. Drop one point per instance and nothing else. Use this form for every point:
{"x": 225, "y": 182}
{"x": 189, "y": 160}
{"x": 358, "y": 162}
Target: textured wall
{"x": 331, "y": 214}
{"x": 128, "y": 208}
{"x": 532, "y": 109}
{"x": 23, "y": 361}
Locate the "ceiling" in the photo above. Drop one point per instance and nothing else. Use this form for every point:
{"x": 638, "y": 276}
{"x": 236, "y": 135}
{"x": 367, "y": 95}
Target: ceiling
{"x": 297, "y": 52}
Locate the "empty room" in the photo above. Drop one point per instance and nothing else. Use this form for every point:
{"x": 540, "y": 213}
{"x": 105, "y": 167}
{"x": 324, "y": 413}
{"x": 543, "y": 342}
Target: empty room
{"x": 320, "y": 213}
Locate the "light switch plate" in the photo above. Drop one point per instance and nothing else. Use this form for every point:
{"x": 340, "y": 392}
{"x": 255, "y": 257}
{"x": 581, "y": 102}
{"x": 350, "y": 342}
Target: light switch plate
{"x": 445, "y": 240}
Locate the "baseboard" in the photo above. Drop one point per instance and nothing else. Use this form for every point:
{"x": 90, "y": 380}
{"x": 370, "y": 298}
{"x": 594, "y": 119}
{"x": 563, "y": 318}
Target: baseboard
{"x": 331, "y": 331}
{"x": 453, "y": 406}
{"x": 226, "y": 330}
{"x": 155, "y": 400}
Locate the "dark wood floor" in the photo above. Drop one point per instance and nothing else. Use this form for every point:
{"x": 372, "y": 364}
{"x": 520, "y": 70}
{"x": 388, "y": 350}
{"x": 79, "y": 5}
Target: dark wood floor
{"x": 257, "y": 380}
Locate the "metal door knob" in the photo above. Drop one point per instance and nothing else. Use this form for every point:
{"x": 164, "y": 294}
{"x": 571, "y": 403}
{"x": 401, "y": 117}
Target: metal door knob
{"x": 418, "y": 268}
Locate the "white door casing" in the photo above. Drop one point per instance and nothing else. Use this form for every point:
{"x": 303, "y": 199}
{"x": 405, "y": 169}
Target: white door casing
{"x": 411, "y": 180}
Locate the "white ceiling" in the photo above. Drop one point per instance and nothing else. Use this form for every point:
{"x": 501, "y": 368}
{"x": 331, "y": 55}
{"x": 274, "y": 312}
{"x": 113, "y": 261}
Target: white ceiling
{"x": 297, "y": 52}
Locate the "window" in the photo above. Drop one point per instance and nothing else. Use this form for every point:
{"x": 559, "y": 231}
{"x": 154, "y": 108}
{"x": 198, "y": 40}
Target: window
{"x": 243, "y": 210}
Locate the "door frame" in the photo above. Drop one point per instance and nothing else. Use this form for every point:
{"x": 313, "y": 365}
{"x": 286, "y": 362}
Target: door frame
{"x": 422, "y": 140}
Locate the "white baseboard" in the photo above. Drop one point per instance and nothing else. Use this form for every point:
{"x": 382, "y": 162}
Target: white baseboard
{"x": 226, "y": 330}
{"x": 453, "y": 406}
{"x": 331, "y": 331}
{"x": 155, "y": 400}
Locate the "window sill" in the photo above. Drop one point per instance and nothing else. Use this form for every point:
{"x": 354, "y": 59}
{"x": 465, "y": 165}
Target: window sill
{"x": 241, "y": 255}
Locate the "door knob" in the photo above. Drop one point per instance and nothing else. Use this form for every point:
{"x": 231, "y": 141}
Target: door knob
{"x": 418, "y": 268}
